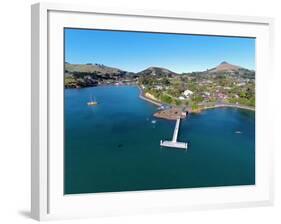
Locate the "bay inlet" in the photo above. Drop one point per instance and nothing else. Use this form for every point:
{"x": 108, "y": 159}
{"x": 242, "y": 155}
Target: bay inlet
{"x": 114, "y": 146}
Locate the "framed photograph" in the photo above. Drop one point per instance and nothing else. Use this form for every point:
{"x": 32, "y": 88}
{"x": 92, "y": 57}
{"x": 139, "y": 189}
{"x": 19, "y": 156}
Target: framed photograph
{"x": 138, "y": 111}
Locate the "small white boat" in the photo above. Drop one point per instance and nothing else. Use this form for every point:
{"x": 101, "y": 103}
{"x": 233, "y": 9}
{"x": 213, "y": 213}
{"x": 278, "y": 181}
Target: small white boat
{"x": 92, "y": 102}
{"x": 153, "y": 121}
{"x": 238, "y": 132}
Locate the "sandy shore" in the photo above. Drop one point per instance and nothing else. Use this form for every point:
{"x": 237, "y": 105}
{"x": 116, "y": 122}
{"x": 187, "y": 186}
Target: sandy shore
{"x": 147, "y": 98}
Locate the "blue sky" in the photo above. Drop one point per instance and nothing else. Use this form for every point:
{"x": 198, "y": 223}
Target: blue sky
{"x": 135, "y": 51}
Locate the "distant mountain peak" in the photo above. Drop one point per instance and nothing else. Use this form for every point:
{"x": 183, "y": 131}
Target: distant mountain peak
{"x": 224, "y": 63}
{"x": 225, "y": 67}
{"x": 153, "y": 70}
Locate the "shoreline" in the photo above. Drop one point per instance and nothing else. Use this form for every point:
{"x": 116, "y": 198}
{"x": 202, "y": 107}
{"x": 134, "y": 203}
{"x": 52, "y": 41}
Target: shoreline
{"x": 158, "y": 103}
{"x": 143, "y": 97}
{"x": 229, "y": 105}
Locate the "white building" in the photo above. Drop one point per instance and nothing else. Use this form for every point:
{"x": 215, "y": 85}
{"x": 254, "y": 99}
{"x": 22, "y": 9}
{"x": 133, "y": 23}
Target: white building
{"x": 187, "y": 93}
{"x": 158, "y": 87}
{"x": 207, "y": 93}
{"x": 241, "y": 84}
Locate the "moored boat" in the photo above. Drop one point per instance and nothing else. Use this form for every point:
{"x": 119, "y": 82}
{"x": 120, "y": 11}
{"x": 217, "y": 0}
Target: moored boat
{"x": 92, "y": 102}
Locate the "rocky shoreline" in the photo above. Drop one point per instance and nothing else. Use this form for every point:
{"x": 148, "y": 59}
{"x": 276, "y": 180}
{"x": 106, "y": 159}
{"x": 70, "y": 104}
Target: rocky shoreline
{"x": 171, "y": 114}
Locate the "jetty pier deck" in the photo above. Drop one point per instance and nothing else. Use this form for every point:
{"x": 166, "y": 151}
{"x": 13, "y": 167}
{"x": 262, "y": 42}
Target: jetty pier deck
{"x": 176, "y": 131}
{"x": 174, "y": 143}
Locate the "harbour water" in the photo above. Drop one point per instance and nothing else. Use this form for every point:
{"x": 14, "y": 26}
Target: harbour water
{"x": 115, "y": 146}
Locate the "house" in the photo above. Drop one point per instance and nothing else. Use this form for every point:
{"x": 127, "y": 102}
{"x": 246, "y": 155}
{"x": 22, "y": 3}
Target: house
{"x": 158, "y": 87}
{"x": 222, "y": 96}
{"x": 241, "y": 84}
{"x": 187, "y": 93}
{"x": 227, "y": 88}
{"x": 181, "y": 98}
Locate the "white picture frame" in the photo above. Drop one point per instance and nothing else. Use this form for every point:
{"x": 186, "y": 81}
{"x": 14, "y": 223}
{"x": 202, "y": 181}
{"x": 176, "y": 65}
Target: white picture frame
{"x": 47, "y": 198}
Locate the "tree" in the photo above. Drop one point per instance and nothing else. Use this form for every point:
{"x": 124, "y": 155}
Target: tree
{"x": 177, "y": 102}
{"x": 165, "y": 81}
{"x": 167, "y": 99}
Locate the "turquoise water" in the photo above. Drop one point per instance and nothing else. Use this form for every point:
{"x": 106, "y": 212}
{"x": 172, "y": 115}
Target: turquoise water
{"x": 115, "y": 146}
